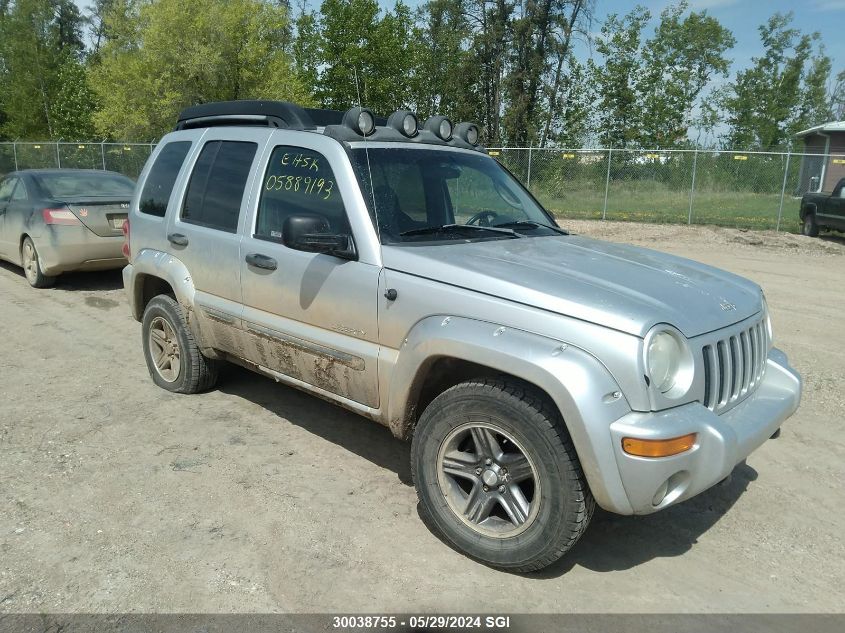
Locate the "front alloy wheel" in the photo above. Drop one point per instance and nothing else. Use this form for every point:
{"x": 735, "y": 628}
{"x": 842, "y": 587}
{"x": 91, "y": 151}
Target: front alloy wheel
{"x": 497, "y": 475}
{"x": 488, "y": 480}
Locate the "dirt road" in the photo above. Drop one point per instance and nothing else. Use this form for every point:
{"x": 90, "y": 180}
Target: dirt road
{"x": 117, "y": 496}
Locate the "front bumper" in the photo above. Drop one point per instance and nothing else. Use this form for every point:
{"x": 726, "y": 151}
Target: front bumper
{"x": 65, "y": 248}
{"x": 652, "y": 484}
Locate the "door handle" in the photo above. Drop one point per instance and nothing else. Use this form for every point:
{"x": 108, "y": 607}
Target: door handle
{"x": 261, "y": 261}
{"x": 177, "y": 239}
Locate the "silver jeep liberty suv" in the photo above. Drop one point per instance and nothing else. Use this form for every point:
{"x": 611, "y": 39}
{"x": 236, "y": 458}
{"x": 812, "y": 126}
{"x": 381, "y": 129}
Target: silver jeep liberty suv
{"x": 400, "y": 272}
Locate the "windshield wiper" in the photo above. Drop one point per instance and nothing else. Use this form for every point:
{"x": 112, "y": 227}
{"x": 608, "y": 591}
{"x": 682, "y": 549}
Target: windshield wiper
{"x": 532, "y": 224}
{"x": 445, "y": 228}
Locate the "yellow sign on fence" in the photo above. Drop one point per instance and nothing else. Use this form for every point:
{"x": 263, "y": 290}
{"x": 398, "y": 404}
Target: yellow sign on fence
{"x": 839, "y": 161}
{"x": 568, "y": 155}
{"x": 652, "y": 156}
{"x": 740, "y": 157}
{"x": 493, "y": 153}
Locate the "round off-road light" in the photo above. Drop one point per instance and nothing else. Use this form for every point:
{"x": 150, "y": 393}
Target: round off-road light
{"x": 441, "y": 126}
{"x": 467, "y": 132}
{"x": 405, "y": 122}
{"x": 361, "y": 120}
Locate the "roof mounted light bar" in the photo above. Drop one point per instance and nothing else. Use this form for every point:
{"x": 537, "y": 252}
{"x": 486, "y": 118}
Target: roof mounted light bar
{"x": 355, "y": 124}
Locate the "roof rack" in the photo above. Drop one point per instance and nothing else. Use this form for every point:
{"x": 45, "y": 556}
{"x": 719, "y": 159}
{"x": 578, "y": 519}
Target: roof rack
{"x": 281, "y": 114}
{"x": 323, "y": 117}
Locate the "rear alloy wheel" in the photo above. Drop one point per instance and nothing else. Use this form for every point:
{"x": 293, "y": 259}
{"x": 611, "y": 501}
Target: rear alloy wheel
{"x": 173, "y": 358}
{"x": 497, "y": 475}
{"x": 32, "y": 266}
{"x": 809, "y": 226}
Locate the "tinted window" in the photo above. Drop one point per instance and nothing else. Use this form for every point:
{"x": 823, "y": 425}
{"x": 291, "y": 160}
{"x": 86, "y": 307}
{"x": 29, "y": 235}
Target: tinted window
{"x": 298, "y": 181}
{"x": 217, "y": 185}
{"x": 6, "y": 188}
{"x": 75, "y": 184}
{"x": 162, "y": 177}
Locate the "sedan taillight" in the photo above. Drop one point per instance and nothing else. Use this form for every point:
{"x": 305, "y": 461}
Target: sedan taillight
{"x": 125, "y": 248}
{"x": 60, "y": 216}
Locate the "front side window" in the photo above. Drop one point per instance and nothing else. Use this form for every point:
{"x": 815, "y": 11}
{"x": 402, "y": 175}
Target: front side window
{"x": 162, "y": 177}
{"x": 298, "y": 182}
{"x": 430, "y": 195}
{"x": 217, "y": 185}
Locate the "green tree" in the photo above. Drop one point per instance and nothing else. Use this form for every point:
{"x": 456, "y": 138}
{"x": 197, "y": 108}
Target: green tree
{"x": 619, "y": 109}
{"x": 445, "y": 81}
{"x": 166, "y": 55}
{"x": 40, "y": 42}
{"x": 781, "y": 92}
{"x": 678, "y": 64}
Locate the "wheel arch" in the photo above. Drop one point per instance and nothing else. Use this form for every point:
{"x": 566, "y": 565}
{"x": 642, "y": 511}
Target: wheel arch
{"x": 152, "y": 273}
{"x": 443, "y": 351}
{"x": 807, "y": 207}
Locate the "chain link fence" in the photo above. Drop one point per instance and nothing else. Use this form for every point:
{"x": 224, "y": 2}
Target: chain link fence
{"x": 756, "y": 190}
{"x": 125, "y": 158}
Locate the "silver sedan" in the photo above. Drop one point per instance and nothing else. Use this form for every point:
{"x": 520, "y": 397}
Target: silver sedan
{"x": 58, "y": 220}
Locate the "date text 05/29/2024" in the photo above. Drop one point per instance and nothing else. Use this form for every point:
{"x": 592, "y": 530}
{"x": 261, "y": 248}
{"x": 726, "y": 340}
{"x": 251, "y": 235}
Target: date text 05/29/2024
{"x": 388, "y": 622}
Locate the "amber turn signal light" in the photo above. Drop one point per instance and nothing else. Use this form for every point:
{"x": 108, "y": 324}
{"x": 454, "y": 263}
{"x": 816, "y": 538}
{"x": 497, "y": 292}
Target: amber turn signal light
{"x": 658, "y": 448}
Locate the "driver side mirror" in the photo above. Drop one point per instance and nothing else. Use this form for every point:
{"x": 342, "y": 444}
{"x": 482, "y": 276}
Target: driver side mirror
{"x": 311, "y": 233}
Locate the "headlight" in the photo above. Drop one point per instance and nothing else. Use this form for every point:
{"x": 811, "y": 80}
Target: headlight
{"x": 668, "y": 362}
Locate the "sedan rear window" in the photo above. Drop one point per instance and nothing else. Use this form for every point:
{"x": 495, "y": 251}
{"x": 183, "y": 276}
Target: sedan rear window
{"x": 73, "y": 185}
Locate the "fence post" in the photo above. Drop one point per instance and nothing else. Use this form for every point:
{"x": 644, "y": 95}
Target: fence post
{"x": 15, "y": 152}
{"x": 783, "y": 189}
{"x": 607, "y": 183}
{"x": 692, "y": 186}
{"x": 528, "y": 183}
{"x": 58, "y": 158}
{"x": 103, "y": 154}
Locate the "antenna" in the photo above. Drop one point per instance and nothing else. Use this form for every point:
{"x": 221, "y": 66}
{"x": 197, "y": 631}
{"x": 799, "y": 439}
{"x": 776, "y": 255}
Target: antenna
{"x": 369, "y": 167}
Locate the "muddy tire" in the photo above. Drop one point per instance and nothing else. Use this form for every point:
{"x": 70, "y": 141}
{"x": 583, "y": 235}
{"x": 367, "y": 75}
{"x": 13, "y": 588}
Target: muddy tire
{"x": 173, "y": 358}
{"x": 809, "y": 227}
{"x": 31, "y": 264}
{"x": 498, "y": 477}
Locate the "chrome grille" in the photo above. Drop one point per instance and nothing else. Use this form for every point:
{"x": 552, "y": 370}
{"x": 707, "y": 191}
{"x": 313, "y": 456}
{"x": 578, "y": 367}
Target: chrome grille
{"x": 734, "y": 366}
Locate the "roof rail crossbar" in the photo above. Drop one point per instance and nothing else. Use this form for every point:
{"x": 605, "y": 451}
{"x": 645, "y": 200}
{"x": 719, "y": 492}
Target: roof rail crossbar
{"x": 280, "y": 114}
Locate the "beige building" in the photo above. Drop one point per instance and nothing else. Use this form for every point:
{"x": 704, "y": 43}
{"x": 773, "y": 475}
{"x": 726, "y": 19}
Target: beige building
{"x": 822, "y": 172}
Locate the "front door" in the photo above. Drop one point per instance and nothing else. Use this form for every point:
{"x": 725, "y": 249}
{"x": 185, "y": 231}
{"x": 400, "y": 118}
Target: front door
{"x": 834, "y": 210}
{"x": 309, "y": 316}
{"x": 205, "y": 231}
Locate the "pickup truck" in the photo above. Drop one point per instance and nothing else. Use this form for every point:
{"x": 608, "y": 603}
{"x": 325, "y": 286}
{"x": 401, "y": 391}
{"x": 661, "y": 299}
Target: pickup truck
{"x": 822, "y": 210}
{"x": 399, "y": 271}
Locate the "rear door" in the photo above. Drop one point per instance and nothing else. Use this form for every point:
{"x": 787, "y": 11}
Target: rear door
{"x": 7, "y": 186}
{"x": 205, "y": 230}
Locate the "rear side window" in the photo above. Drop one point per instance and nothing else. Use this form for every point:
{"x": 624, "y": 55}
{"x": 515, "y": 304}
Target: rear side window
{"x": 162, "y": 177}
{"x": 298, "y": 182}
{"x": 217, "y": 185}
{"x": 6, "y": 188}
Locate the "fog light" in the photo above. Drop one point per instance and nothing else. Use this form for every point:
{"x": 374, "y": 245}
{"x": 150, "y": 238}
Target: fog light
{"x": 658, "y": 448}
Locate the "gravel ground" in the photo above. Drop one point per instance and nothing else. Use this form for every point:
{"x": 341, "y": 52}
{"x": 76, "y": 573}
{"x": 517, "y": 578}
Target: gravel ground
{"x": 116, "y": 496}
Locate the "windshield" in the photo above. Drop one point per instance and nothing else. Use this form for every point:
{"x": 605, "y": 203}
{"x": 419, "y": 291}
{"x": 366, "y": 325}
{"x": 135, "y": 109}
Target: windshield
{"x": 77, "y": 184}
{"x": 431, "y": 195}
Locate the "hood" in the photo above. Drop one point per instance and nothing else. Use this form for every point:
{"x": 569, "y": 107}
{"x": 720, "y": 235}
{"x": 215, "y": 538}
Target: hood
{"x": 623, "y": 287}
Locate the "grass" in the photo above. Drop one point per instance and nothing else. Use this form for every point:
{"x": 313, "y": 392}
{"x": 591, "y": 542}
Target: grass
{"x": 663, "y": 206}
